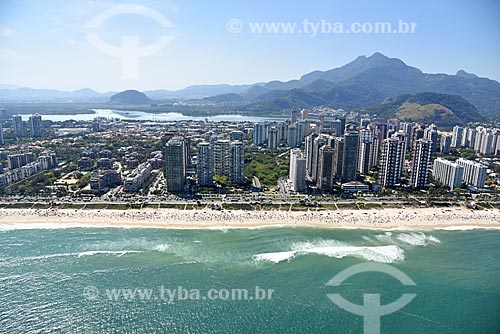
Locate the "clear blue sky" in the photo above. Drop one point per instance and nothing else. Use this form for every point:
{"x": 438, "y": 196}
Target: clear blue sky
{"x": 43, "y": 44}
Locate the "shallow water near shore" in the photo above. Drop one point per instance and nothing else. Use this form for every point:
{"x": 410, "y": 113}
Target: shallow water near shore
{"x": 44, "y": 274}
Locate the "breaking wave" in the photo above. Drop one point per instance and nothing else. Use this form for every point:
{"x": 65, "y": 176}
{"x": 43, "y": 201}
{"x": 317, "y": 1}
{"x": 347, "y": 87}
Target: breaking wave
{"x": 417, "y": 239}
{"x": 332, "y": 248}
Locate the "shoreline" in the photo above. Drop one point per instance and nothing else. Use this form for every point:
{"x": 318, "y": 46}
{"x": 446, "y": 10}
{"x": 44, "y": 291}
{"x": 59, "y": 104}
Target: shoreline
{"x": 456, "y": 218}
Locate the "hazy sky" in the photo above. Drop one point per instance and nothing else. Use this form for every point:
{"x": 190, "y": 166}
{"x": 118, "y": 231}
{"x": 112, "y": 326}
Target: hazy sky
{"x": 43, "y": 44}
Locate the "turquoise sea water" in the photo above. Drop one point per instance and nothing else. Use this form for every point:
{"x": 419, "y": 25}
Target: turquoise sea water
{"x": 61, "y": 280}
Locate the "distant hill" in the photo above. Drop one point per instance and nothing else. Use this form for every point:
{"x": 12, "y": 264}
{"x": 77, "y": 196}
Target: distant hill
{"x": 32, "y": 94}
{"x": 199, "y": 91}
{"x": 130, "y": 97}
{"x": 229, "y": 97}
{"x": 345, "y": 97}
{"x": 441, "y": 109}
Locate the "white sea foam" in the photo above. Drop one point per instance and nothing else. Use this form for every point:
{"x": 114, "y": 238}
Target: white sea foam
{"x": 469, "y": 228}
{"x": 161, "y": 248}
{"x": 82, "y": 254}
{"x": 44, "y": 226}
{"x": 336, "y": 249}
{"x": 417, "y": 239}
{"x": 385, "y": 237}
{"x": 433, "y": 239}
{"x": 119, "y": 253}
{"x": 263, "y": 227}
{"x": 385, "y": 254}
{"x": 275, "y": 257}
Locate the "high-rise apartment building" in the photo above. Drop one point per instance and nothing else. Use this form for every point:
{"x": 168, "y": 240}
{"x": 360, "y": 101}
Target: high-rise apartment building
{"x": 421, "y": 163}
{"x": 274, "y": 139}
{"x": 260, "y": 133}
{"x": 309, "y": 153}
{"x": 431, "y": 133}
{"x": 319, "y": 141}
{"x": 393, "y": 153}
{"x": 350, "y": 156}
{"x": 368, "y": 151}
{"x": 36, "y": 125}
{"x": 222, "y": 157}
{"x": 2, "y": 142}
{"x": 338, "y": 163}
{"x": 448, "y": 172}
{"x": 292, "y": 139}
{"x": 236, "y": 163}
{"x": 325, "y": 178}
{"x": 18, "y": 125}
{"x": 456, "y": 140}
{"x": 297, "y": 173}
{"x": 474, "y": 173}
{"x": 445, "y": 144}
{"x": 205, "y": 165}
{"x": 175, "y": 164}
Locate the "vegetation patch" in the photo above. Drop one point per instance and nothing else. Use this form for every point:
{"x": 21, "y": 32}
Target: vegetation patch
{"x": 269, "y": 166}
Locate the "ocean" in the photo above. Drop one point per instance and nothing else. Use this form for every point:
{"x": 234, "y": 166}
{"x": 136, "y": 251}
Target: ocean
{"x": 267, "y": 280}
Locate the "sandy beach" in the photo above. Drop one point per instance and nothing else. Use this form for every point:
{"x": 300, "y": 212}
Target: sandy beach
{"x": 412, "y": 218}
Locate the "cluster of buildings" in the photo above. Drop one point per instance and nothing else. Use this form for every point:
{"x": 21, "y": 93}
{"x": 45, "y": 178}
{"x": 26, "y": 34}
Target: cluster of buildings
{"x": 105, "y": 177}
{"x": 88, "y": 160}
{"x": 481, "y": 139}
{"x": 218, "y": 151}
{"x": 334, "y": 152}
{"x": 463, "y": 171}
{"x": 327, "y": 149}
{"x": 293, "y": 132}
{"x": 18, "y": 128}
{"x": 24, "y": 165}
{"x": 34, "y": 123}
{"x": 216, "y": 157}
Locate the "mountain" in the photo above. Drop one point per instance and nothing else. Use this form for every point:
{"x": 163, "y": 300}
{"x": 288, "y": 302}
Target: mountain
{"x": 442, "y": 109}
{"x": 130, "y": 97}
{"x": 379, "y": 77}
{"x": 361, "y": 67}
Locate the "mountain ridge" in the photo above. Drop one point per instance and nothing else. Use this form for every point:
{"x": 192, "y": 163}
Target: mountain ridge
{"x": 383, "y": 77}
{"x": 364, "y": 82}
